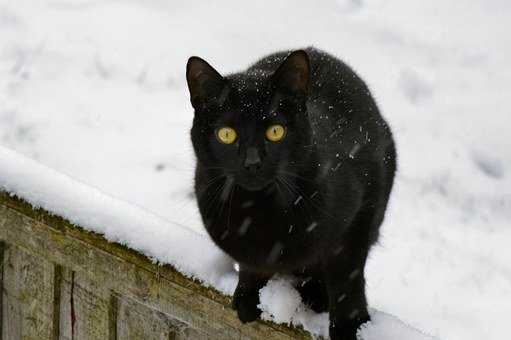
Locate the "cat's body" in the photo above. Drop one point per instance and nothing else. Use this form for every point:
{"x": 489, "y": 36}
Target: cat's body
{"x": 315, "y": 203}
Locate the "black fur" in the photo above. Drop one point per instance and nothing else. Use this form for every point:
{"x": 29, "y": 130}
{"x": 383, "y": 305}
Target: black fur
{"x": 315, "y": 203}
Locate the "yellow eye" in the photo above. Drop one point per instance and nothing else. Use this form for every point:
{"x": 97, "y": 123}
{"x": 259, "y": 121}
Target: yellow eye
{"x": 226, "y": 135}
{"x": 275, "y": 133}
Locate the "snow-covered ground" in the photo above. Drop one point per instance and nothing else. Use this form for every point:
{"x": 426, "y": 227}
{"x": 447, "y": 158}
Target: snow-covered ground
{"x": 95, "y": 89}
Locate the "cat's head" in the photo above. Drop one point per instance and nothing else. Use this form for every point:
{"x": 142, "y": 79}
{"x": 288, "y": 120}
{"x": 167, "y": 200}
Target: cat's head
{"x": 251, "y": 126}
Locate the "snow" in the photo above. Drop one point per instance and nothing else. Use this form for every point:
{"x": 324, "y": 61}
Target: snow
{"x": 384, "y": 326}
{"x": 163, "y": 241}
{"x": 96, "y": 90}
{"x": 281, "y": 298}
{"x": 189, "y": 252}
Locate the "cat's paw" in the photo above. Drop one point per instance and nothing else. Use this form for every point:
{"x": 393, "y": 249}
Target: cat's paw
{"x": 343, "y": 334}
{"x": 245, "y": 303}
{"x": 314, "y": 295}
{"x": 346, "y": 330}
{"x": 318, "y": 306}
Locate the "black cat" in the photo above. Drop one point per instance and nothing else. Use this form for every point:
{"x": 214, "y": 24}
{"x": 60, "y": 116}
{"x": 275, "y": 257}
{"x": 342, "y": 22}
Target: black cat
{"x": 294, "y": 169}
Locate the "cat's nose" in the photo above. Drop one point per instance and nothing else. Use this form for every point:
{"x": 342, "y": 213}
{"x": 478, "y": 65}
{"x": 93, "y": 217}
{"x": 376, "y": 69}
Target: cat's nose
{"x": 253, "y": 160}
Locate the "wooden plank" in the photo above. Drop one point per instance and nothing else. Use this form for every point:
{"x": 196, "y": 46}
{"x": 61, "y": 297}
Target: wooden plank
{"x": 2, "y": 251}
{"x": 112, "y": 267}
{"x": 57, "y": 283}
{"x": 84, "y": 308}
{"x": 137, "y": 321}
{"x": 27, "y": 296}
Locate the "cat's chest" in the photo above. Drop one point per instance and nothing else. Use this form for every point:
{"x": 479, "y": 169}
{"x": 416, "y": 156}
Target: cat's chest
{"x": 267, "y": 235}
{"x": 259, "y": 220}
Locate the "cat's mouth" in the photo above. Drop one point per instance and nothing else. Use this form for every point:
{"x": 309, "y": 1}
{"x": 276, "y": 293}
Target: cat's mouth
{"x": 253, "y": 183}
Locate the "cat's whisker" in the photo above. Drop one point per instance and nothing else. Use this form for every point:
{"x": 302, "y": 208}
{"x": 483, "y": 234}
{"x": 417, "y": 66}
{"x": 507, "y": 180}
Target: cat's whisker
{"x": 287, "y": 173}
{"x": 298, "y": 196}
{"x": 224, "y": 196}
{"x": 208, "y": 184}
{"x": 294, "y": 197}
{"x": 231, "y": 195}
{"x": 279, "y": 189}
{"x": 213, "y": 199}
{"x": 305, "y": 198}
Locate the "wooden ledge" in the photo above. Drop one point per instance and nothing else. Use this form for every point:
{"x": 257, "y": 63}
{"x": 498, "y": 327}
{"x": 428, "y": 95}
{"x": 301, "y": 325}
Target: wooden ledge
{"x": 63, "y": 282}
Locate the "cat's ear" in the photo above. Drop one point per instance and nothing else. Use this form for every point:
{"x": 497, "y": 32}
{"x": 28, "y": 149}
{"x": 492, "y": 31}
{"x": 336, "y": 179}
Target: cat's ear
{"x": 292, "y": 76}
{"x": 206, "y": 85}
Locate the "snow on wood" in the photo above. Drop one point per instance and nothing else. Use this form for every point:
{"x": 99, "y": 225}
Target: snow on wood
{"x": 190, "y": 253}
{"x": 97, "y": 91}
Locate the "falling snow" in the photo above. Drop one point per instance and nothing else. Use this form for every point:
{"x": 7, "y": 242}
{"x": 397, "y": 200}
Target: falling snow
{"x": 354, "y": 150}
{"x": 354, "y": 274}
{"x": 311, "y": 227}
{"x": 341, "y": 298}
{"x": 298, "y": 199}
{"x": 275, "y": 252}
{"x": 242, "y": 230}
{"x": 247, "y": 204}
{"x": 125, "y": 117}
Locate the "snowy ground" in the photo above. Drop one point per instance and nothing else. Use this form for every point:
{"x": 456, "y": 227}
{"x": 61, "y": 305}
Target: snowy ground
{"x": 96, "y": 90}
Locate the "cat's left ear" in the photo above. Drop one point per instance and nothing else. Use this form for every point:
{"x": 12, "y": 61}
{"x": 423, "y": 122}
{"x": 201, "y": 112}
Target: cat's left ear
{"x": 206, "y": 85}
{"x": 292, "y": 76}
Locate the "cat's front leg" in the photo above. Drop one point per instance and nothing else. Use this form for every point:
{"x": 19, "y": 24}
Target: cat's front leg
{"x": 347, "y": 303}
{"x": 246, "y": 295}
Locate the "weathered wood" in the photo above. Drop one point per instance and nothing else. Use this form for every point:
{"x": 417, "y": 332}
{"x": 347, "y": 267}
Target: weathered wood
{"x": 94, "y": 289}
{"x": 27, "y": 296}
{"x": 57, "y": 285}
{"x": 136, "y": 321}
{"x": 2, "y": 250}
{"x": 84, "y": 308}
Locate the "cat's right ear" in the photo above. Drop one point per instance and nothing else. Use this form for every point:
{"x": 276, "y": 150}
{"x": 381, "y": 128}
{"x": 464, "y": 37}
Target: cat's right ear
{"x": 207, "y": 87}
{"x": 292, "y": 76}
